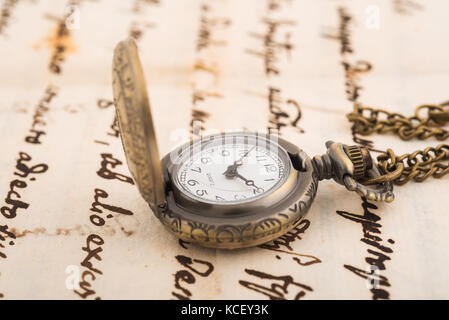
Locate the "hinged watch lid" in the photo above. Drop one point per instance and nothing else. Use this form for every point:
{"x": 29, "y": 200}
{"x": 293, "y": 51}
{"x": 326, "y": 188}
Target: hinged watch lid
{"x": 136, "y": 123}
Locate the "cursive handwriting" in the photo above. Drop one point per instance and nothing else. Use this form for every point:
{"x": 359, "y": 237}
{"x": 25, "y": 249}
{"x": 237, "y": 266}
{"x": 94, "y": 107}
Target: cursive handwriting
{"x": 140, "y": 24}
{"x": 194, "y": 266}
{"x": 24, "y": 170}
{"x": 94, "y": 242}
{"x": 379, "y": 252}
{"x": 283, "y": 244}
{"x": 211, "y": 35}
{"x": 279, "y": 288}
{"x": 42, "y": 108}
{"x": 13, "y": 200}
{"x": 352, "y": 70}
{"x": 343, "y": 35}
{"x": 108, "y": 162}
{"x": 100, "y": 213}
{"x": 6, "y": 13}
{"x": 283, "y": 113}
{"x": 208, "y": 25}
{"x": 272, "y": 46}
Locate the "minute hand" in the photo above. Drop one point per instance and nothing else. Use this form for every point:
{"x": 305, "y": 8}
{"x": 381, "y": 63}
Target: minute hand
{"x": 248, "y": 182}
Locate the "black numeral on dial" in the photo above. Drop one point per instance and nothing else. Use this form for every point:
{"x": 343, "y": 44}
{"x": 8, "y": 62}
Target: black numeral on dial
{"x": 201, "y": 192}
{"x": 205, "y": 160}
{"x": 192, "y": 182}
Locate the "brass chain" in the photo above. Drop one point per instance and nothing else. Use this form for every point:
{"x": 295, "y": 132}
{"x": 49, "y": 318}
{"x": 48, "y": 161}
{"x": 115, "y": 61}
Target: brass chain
{"x": 419, "y": 165}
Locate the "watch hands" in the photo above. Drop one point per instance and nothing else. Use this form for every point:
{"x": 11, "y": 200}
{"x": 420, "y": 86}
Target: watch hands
{"x": 231, "y": 172}
{"x": 232, "y": 169}
{"x": 248, "y": 182}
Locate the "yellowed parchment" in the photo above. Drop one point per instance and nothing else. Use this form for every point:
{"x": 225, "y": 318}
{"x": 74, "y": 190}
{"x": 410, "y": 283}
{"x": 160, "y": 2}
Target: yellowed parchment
{"x": 73, "y": 225}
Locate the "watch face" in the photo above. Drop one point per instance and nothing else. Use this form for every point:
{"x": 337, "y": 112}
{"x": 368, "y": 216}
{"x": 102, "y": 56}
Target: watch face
{"x": 232, "y": 169}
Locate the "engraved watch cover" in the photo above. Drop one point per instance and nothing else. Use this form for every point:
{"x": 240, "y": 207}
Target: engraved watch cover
{"x": 136, "y": 124}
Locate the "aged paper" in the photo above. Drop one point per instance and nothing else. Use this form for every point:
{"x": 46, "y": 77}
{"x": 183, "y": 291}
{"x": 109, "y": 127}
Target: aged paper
{"x": 73, "y": 225}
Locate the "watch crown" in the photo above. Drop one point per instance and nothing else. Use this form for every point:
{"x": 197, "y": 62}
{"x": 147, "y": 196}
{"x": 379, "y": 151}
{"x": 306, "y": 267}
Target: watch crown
{"x": 360, "y": 158}
{"x": 350, "y": 166}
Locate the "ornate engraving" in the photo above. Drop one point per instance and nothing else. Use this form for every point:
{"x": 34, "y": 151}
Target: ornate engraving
{"x": 235, "y": 233}
{"x": 172, "y": 221}
{"x": 199, "y": 230}
{"x": 266, "y": 227}
{"x": 231, "y": 236}
{"x": 135, "y": 121}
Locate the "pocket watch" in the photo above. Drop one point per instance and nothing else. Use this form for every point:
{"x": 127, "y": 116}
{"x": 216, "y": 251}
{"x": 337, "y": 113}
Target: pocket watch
{"x": 233, "y": 189}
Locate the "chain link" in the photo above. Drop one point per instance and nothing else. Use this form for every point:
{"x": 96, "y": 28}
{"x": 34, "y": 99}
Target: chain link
{"x": 419, "y": 165}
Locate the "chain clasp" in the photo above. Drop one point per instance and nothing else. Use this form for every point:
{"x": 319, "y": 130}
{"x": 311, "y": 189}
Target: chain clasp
{"x": 353, "y": 167}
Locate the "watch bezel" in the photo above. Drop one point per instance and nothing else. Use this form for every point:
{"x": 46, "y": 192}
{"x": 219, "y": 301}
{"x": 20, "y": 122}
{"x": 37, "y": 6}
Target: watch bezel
{"x": 187, "y": 199}
{"x": 264, "y": 205}
{"x": 256, "y": 224}
{"x": 231, "y": 229}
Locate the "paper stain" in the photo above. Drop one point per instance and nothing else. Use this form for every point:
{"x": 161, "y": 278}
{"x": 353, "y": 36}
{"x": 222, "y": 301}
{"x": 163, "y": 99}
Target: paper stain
{"x": 20, "y": 108}
{"x": 73, "y": 109}
{"x": 126, "y": 232}
{"x": 206, "y": 76}
{"x": 59, "y": 37}
{"x": 212, "y": 69}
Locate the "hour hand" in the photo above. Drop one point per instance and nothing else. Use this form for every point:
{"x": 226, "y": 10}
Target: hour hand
{"x": 231, "y": 171}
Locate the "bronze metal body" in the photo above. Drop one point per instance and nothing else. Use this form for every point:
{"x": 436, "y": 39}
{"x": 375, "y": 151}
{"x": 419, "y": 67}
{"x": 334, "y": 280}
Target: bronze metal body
{"x": 243, "y": 223}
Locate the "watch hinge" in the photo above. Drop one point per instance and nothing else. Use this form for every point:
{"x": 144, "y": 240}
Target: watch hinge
{"x": 296, "y": 162}
{"x": 167, "y": 183}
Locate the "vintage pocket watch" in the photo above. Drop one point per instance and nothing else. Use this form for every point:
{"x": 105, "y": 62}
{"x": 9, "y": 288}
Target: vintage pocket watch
{"x": 228, "y": 190}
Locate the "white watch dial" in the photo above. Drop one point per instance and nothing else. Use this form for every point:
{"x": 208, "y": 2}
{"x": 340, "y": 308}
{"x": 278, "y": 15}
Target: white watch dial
{"x": 228, "y": 172}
